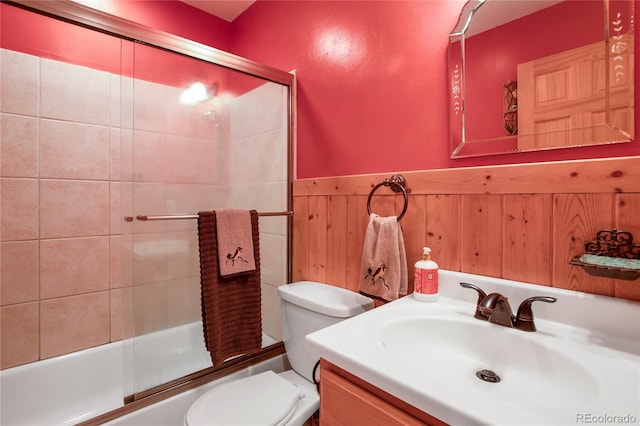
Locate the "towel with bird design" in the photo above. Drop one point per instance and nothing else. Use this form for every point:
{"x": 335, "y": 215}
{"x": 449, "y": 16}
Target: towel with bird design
{"x": 231, "y": 305}
{"x": 384, "y": 260}
{"x": 235, "y": 242}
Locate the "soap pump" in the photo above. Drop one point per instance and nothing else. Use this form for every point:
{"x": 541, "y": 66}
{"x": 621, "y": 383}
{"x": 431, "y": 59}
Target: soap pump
{"x": 425, "y": 278}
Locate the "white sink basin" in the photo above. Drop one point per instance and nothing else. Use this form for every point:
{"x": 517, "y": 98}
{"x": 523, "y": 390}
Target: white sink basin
{"x": 583, "y": 362}
{"x": 451, "y": 349}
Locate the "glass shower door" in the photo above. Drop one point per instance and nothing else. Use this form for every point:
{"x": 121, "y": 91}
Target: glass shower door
{"x": 202, "y": 137}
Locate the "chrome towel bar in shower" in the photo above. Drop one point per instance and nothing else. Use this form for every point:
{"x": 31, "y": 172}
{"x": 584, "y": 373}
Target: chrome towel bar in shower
{"x": 146, "y": 218}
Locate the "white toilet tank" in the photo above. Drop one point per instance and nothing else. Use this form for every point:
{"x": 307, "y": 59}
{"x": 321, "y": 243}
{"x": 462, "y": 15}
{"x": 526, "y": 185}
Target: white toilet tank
{"x": 309, "y": 306}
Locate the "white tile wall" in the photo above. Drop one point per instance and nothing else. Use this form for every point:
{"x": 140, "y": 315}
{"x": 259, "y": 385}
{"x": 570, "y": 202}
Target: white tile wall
{"x": 259, "y": 175}
{"x": 20, "y": 83}
{"x": 74, "y": 93}
{"x": 81, "y": 148}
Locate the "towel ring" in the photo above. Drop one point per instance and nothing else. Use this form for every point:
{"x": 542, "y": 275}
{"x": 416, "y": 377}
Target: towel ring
{"x": 396, "y": 184}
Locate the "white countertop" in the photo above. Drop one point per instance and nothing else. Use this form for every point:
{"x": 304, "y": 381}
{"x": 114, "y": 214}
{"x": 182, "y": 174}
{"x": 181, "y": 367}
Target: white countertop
{"x": 602, "y": 373}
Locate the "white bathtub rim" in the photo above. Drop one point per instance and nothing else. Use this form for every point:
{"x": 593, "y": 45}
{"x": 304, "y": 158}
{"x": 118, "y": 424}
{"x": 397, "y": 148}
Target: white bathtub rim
{"x": 39, "y": 393}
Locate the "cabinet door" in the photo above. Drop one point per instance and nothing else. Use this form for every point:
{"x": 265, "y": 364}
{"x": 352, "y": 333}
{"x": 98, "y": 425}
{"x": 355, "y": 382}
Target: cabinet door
{"x": 344, "y": 403}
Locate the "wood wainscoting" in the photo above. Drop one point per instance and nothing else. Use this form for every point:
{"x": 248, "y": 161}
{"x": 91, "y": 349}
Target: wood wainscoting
{"x": 520, "y": 222}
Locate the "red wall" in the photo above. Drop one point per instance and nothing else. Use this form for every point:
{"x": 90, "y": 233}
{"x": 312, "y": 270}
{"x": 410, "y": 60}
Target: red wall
{"x": 383, "y": 106}
{"x": 372, "y": 87}
{"x": 372, "y": 77}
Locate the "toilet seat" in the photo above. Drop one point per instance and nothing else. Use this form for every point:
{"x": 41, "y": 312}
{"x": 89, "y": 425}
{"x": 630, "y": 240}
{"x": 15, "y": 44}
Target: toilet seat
{"x": 261, "y": 399}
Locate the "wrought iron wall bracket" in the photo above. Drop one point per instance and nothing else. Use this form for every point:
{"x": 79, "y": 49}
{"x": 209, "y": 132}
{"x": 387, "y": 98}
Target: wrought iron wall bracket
{"x": 612, "y": 254}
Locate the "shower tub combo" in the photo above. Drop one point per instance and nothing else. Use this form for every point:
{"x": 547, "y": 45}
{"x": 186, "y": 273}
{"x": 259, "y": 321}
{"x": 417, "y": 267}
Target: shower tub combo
{"x": 76, "y": 387}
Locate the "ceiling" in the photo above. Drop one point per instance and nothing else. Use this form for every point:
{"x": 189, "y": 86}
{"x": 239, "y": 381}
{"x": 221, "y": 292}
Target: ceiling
{"x": 225, "y": 9}
{"x": 498, "y": 12}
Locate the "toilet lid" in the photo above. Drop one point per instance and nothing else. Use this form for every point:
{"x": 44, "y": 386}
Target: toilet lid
{"x": 261, "y": 399}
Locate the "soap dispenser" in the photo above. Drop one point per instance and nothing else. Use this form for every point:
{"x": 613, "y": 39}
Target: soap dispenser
{"x": 425, "y": 278}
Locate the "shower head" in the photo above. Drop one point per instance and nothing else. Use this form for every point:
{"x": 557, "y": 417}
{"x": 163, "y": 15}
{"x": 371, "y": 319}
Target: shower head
{"x": 211, "y": 116}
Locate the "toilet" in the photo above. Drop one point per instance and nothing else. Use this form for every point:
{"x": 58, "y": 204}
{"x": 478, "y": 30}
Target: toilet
{"x": 290, "y": 397}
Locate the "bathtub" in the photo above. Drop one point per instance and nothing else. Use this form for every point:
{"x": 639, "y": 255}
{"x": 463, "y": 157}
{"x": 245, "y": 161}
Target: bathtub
{"x": 63, "y": 390}
{"x": 169, "y": 354}
{"x": 166, "y": 355}
{"x": 75, "y": 387}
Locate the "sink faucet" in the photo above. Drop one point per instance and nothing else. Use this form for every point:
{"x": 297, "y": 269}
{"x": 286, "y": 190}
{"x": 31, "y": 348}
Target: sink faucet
{"x": 495, "y": 308}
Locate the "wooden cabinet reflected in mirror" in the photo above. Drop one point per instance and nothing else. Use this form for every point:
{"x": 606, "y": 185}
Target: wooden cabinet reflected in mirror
{"x": 570, "y": 62}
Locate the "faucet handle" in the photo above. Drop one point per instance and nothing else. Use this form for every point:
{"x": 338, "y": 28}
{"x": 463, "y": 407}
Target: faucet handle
{"x": 481, "y": 295}
{"x": 524, "y": 317}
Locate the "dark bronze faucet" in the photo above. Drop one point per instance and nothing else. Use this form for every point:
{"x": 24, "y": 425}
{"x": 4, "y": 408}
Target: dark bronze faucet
{"x": 495, "y": 308}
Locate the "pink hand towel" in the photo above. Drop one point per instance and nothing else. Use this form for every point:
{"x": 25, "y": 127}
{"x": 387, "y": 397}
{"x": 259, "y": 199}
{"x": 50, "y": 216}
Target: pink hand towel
{"x": 384, "y": 260}
{"x": 235, "y": 242}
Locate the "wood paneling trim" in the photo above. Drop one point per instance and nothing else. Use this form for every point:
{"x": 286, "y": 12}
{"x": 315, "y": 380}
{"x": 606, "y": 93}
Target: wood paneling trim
{"x": 482, "y": 234}
{"x": 337, "y": 240}
{"x": 620, "y": 175}
{"x": 318, "y": 238}
{"x": 300, "y": 238}
{"x": 627, "y": 213}
{"x": 525, "y": 226}
{"x": 357, "y": 221}
{"x": 528, "y": 233}
{"x": 576, "y": 219}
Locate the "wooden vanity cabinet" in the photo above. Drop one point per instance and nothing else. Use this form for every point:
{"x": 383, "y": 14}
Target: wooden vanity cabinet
{"x": 350, "y": 401}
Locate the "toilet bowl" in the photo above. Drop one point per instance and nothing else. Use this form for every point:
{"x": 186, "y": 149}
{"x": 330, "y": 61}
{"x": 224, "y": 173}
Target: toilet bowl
{"x": 290, "y": 397}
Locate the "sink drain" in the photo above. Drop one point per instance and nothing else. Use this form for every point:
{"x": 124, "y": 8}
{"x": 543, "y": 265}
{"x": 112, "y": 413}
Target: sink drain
{"x": 488, "y": 376}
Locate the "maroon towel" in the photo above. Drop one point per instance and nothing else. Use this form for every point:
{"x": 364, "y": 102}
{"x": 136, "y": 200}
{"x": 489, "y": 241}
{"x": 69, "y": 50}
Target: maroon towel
{"x": 231, "y": 306}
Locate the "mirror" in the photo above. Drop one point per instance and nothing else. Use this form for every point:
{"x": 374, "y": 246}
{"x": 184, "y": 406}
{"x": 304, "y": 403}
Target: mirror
{"x": 540, "y": 74}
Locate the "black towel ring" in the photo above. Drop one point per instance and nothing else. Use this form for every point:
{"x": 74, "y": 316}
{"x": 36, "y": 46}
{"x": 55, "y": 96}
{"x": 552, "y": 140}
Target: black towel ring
{"x": 396, "y": 184}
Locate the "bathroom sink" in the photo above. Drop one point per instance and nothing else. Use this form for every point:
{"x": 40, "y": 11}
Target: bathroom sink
{"x": 476, "y": 356}
{"x": 583, "y": 360}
